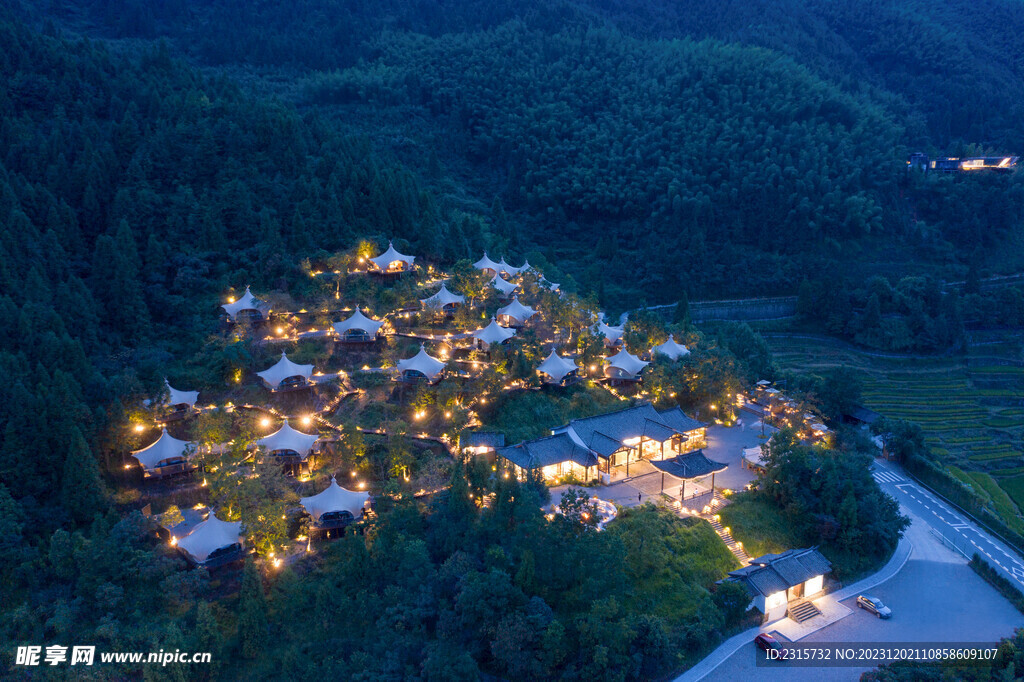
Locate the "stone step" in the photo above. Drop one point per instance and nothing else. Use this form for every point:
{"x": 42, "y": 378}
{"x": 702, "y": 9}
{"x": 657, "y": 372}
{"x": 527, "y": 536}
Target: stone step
{"x": 803, "y": 610}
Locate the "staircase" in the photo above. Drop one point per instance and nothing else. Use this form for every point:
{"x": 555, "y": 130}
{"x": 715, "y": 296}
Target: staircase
{"x": 802, "y": 610}
{"x": 737, "y": 551}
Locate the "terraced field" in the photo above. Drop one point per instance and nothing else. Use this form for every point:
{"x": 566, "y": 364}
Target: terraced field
{"x": 970, "y": 407}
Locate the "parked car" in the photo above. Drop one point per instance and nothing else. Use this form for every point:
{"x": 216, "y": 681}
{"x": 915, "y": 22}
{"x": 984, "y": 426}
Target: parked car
{"x": 874, "y": 605}
{"x": 765, "y": 642}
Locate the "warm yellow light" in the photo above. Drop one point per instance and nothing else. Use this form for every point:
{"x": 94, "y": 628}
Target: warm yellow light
{"x": 174, "y": 541}
{"x": 264, "y": 422}
{"x": 277, "y": 563}
{"x": 448, "y": 415}
{"x": 231, "y": 299}
{"x": 362, "y": 485}
{"x": 280, "y": 330}
{"x": 139, "y": 428}
{"x": 307, "y": 420}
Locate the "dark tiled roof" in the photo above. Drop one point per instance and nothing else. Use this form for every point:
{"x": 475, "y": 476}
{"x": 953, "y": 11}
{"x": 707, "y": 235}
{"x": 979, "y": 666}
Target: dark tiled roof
{"x": 633, "y": 422}
{"x": 546, "y": 451}
{"x": 863, "y": 414}
{"x": 776, "y": 572}
{"x": 489, "y": 439}
{"x": 691, "y": 465}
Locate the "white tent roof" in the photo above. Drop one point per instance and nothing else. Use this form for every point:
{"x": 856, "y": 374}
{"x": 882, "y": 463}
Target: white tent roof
{"x": 503, "y": 285}
{"x": 181, "y": 397}
{"x": 556, "y": 366}
{"x": 627, "y": 362}
{"x": 283, "y": 369}
{"x": 244, "y": 302}
{"x": 209, "y": 536}
{"x": 335, "y": 499}
{"x": 390, "y": 256}
{"x": 517, "y": 311}
{"x": 287, "y": 438}
{"x": 670, "y": 348}
{"x": 510, "y": 270}
{"x": 611, "y": 334}
{"x": 442, "y": 298}
{"x": 485, "y": 263}
{"x": 494, "y": 333}
{"x": 545, "y": 283}
{"x": 358, "y": 321}
{"x": 423, "y": 363}
{"x": 166, "y": 447}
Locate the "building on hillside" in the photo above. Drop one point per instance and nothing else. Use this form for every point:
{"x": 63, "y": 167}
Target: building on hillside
{"x": 391, "y": 262}
{"x": 443, "y": 300}
{"x": 612, "y": 335}
{"x": 168, "y": 456}
{"x": 510, "y": 270}
{"x": 753, "y": 458}
{"x": 557, "y": 370}
{"x": 504, "y": 287}
{"x": 952, "y": 164}
{"x": 286, "y": 375}
{"x": 246, "y": 308}
{"x": 290, "y": 447}
{"x": 481, "y": 442}
{"x": 624, "y": 367}
{"x": 486, "y": 265}
{"x": 358, "y": 329}
{"x": 334, "y": 508}
{"x": 515, "y": 314}
{"x": 593, "y": 445}
{"x": 420, "y": 367}
{"x": 213, "y": 543}
{"x": 180, "y": 404}
{"x": 670, "y": 349}
{"x": 492, "y": 333}
{"x": 779, "y": 582}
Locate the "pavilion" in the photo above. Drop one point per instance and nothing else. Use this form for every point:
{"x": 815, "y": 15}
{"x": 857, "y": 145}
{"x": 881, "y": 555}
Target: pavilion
{"x": 504, "y": 287}
{"x": 420, "y": 366}
{"x": 689, "y": 467}
{"x": 442, "y": 300}
{"x": 486, "y": 265}
{"x": 612, "y": 335}
{"x": 481, "y": 442}
{"x": 624, "y": 366}
{"x": 180, "y": 403}
{"x": 285, "y": 375}
{"x": 358, "y": 328}
{"x": 515, "y": 314}
{"x": 289, "y": 446}
{"x": 492, "y": 333}
{"x": 613, "y": 439}
{"x": 670, "y": 349}
{"x": 334, "y": 508}
{"x": 246, "y": 308}
{"x": 557, "y": 369}
{"x": 213, "y": 542}
{"x": 166, "y": 457}
{"x": 391, "y": 262}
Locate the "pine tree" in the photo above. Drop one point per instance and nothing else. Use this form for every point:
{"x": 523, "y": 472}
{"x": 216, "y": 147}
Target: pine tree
{"x": 252, "y": 612}
{"x": 81, "y": 489}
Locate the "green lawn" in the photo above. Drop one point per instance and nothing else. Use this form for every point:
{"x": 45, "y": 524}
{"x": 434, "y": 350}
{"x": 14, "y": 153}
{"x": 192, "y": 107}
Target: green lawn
{"x": 759, "y": 525}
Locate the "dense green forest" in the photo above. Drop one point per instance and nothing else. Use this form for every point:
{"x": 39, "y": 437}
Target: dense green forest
{"x": 153, "y": 155}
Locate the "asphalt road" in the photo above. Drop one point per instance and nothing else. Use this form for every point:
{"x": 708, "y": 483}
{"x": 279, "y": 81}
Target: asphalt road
{"x": 936, "y": 597}
{"x": 955, "y": 529}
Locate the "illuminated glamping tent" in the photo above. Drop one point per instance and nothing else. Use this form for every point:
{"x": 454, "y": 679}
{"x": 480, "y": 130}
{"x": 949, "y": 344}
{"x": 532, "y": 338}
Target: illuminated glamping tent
{"x": 420, "y": 366}
{"x": 286, "y": 374}
{"x": 391, "y": 261}
{"x": 493, "y": 333}
{"x": 358, "y": 328}
{"x": 179, "y": 402}
{"x": 244, "y": 307}
{"x": 442, "y": 299}
{"x": 165, "y": 457}
{"x": 542, "y": 281}
{"x": 558, "y": 370}
{"x": 213, "y": 542}
{"x": 335, "y": 507}
{"x": 510, "y": 270}
{"x": 671, "y": 349}
{"x": 624, "y": 366}
{"x": 487, "y": 265}
{"x": 515, "y": 314}
{"x": 612, "y": 335}
{"x": 504, "y": 287}
{"x": 290, "y": 446}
